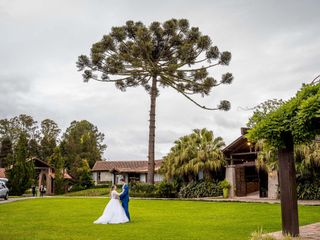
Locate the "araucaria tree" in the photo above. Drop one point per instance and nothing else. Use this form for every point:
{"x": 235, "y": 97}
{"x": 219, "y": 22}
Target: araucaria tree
{"x": 170, "y": 54}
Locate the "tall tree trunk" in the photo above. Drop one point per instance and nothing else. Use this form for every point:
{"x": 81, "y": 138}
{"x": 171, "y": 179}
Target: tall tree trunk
{"x": 288, "y": 190}
{"x": 152, "y": 128}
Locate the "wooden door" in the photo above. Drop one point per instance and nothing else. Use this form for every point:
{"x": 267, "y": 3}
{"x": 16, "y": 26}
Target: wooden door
{"x": 240, "y": 182}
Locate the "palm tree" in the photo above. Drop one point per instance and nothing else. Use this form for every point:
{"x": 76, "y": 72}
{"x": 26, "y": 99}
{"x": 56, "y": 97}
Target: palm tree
{"x": 193, "y": 153}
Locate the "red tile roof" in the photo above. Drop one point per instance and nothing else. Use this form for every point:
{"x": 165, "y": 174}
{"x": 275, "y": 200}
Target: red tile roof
{"x": 2, "y": 172}
{"x": 124, "y": 166}
{"x": 65, "y": 175}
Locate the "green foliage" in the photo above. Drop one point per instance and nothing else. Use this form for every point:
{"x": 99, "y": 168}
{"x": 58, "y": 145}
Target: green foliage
{"x": 262, "y": 110}
{"x": 192, "y": 153}
{"x": 41, "y": 141}
{"x": 85, "y": 175}
{"x": 201, "y": 189}
{"x": 5, "y": 152}
{"x": 82, "y": 140}
{"x": 57, "y": 161}
{"x": 308, "y": 190}
{"x": 50, "y": 133}
{"x": 224, "y": 184}
{"x": 22, "y": 172}
{"x": 298, "y": 118}
{"x": 159, "y": 190}
{"x": 142, "y": 190}
{"x": 172, "y": 53}
{"x": 14, "y": 127}
{"x": 166, "y": 190}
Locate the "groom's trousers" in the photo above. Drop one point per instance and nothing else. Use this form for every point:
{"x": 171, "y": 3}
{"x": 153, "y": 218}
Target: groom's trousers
{"x": 125, "y": 206}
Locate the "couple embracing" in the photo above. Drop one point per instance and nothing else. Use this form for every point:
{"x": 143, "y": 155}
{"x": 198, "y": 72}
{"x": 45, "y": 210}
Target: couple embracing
{"x": 115, "y": 212}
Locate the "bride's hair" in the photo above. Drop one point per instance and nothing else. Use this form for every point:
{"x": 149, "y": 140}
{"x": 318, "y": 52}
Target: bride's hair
{"x": 113, "y": 187}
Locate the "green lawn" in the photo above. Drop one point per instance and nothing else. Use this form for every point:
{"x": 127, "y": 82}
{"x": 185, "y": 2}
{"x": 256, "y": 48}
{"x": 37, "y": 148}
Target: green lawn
{"x": 71, "y": 218}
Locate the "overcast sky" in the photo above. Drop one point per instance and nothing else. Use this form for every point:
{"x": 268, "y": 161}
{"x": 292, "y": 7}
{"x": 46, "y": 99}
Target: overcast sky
{"x": 275, "y": 47}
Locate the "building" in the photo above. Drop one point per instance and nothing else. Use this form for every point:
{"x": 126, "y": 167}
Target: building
{"x": 131, "y": 171}
{"x": 242, "y": 174}
{"x": 45, "y": 175}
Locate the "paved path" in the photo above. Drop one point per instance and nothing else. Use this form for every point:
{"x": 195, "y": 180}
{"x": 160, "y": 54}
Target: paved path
{"x": 2, "y": 201}
{"x": 308, "y": 232}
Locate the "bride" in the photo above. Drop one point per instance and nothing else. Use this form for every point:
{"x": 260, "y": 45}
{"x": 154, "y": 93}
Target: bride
{"x": 114, "y": 212}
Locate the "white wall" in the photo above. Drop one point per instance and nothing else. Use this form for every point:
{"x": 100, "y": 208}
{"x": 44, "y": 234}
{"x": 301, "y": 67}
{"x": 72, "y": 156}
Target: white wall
{"x": 94, "y": 177}
{"x": 158, "y": 177}
{"x": 106, "y": 176}
{"x": 143, "y": 177}
{"x": 273, "y": 185}
{"x": 231, "y": 178}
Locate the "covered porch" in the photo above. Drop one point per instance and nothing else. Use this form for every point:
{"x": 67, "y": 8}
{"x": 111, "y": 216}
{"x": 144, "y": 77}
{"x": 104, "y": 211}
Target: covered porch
{"x": 242, "y": 174}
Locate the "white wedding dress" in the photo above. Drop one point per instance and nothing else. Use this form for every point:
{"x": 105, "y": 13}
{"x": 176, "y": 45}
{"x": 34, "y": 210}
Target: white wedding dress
{"x": 114, "y": 212}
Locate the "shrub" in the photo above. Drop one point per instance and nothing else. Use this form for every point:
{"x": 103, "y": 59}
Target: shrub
{"x": 166, "y": 190}
{"x": 201, "y": 189}
{"x": 142, "y": 190}
{"x": 224, "y": 184}
{"x": 308, "y": 190}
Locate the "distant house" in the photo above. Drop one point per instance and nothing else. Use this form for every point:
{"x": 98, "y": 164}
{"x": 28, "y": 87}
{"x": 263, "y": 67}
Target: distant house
{"x": 131, "y": 171}
{"x": 45, "y": 175}
{"x": 241, "y": 171}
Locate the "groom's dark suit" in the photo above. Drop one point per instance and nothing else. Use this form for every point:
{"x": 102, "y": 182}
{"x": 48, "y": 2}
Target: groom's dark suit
{"x": 124, "y": 197}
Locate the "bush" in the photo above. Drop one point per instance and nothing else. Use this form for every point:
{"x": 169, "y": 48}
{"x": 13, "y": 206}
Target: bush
{"x": 201, "y": 189}
{"x": 166, "y": 190}
{"x": 161, "y": 190}
{"x": 308, "y": 190}
{"x": 224, "y": 184}
{"x": 142, "y": 190}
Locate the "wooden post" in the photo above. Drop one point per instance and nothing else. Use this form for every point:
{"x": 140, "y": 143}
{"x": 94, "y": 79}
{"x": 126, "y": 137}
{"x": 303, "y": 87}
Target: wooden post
{"x": 288, "y": 190}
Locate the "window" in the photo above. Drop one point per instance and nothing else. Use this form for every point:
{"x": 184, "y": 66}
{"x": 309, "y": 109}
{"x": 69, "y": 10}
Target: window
{"x": 98, "y": 176}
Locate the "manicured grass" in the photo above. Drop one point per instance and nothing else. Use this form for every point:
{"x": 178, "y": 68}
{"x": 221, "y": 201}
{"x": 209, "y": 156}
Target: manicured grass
{"x": 71, "y": 218}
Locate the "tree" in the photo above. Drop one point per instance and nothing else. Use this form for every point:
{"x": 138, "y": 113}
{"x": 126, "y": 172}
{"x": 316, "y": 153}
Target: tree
{"x": 262, "y": 110}
{"x": 14, "y": 127}
{"x": 5, "y": 151}
{"x": 84, "y": 173}
{"x": 57, "y": 161}
{"x": 49, "y": 138}
{"x": 82, "y": 140}
{"x": 171, "y": 54}
{"x": 22, "y": 172}
{"x": 192, "y": 153}
{"x": 295, "y": 122}
{"x": 34, "y": 148}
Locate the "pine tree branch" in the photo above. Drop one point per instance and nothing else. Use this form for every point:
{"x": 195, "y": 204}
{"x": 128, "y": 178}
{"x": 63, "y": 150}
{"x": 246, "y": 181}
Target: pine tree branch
{"x": 189, "y": 98}
{"x": 197, "y": 69}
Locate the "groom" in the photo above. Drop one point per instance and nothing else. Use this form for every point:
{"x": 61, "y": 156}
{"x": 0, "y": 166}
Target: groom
{"x": 124, "y": 197}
